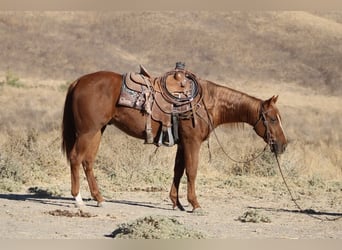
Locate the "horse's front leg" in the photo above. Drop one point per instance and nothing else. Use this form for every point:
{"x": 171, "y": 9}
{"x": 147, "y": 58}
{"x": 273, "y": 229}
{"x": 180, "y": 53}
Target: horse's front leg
{"x": 178, "y": 173}
{"x": 191, "y": 155}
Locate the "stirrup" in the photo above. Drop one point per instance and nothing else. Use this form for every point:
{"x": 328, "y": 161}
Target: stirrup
{"x": 175, "y": 133}
{"x": 169, "y": 141}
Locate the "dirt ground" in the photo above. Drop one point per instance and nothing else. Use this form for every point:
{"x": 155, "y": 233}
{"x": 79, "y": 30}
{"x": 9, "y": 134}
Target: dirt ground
{"x": 33, "y": 216}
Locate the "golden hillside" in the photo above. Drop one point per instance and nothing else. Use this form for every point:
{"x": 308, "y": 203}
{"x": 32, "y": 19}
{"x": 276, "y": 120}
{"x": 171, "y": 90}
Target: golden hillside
{"x": 296, "y": 47}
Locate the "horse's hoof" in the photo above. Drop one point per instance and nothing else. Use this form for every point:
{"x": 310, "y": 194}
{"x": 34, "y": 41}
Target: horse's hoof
{"x": 199, "y": 211}
{"x": 178, "y": 207}
{"x": 79, "y": 204}
{"x": 100, "y": 204}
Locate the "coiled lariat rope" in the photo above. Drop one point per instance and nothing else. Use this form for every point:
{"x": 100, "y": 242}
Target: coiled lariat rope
{"x": 173, "y": 98}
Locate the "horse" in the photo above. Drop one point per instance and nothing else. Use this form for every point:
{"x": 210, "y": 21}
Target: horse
{"x": 91, "y": 104}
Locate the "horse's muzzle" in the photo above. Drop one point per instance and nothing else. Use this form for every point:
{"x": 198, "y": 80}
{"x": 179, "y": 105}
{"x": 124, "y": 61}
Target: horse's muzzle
{"x": 277, "y": 147}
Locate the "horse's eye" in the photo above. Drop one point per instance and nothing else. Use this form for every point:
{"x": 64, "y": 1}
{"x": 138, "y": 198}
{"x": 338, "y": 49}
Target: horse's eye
{"x": 273, "y": 119}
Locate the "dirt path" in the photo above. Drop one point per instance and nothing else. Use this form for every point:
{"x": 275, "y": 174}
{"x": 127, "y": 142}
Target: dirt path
{"x": 30, "y": 216}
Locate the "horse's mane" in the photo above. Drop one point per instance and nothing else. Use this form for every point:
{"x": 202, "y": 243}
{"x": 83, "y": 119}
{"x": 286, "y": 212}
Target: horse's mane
{"x": 230, "y": 99}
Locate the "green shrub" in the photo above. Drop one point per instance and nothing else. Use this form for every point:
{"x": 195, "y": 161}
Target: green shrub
{"x": 12, "y": 80}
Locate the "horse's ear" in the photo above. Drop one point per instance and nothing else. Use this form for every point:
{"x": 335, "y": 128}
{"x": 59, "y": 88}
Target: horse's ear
{"x": 274, "y": 98}
{"x": 268, "y": 102}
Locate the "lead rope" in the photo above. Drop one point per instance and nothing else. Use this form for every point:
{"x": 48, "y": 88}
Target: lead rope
{"x": 309, "y": 212}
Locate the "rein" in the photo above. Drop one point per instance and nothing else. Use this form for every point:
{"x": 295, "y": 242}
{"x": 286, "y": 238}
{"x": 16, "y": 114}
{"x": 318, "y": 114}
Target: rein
{"x": 236, "y": 161}
{"x": 211, "y": 125}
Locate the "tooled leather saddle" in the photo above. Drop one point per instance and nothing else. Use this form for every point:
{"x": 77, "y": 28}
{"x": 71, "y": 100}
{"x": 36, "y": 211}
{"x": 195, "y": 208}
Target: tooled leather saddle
{"x": 166, "y": 99}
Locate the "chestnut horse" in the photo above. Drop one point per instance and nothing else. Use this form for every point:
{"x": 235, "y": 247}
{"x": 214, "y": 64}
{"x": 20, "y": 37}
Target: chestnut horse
{"x": 91, "y": 105}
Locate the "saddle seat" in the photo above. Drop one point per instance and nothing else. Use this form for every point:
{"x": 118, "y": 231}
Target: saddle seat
{"x": 165, "y": 99}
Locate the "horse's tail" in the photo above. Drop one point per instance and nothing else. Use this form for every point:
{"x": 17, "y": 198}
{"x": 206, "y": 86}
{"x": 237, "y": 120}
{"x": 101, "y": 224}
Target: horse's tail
{"x": 68, "y": 124}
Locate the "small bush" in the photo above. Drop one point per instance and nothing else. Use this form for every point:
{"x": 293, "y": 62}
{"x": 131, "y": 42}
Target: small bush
{"x": 64, "y": 87}
{"x": 12, "y": 80}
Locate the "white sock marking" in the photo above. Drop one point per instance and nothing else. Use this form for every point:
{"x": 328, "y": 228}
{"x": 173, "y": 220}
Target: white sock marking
{"x": 78, "y": 198}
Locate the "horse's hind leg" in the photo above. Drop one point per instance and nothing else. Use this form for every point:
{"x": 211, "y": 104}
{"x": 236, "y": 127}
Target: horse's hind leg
{"x": 88, "y": 166}
{"x": 75, "y": 181}
{"x": 84, "y": 151}
{"x": 76, "y": 157}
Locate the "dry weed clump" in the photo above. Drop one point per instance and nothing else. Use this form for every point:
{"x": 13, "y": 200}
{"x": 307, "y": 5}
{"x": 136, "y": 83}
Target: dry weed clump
{"x": 67, "y": 213}
{"x": 253, "y": 216}
{"x": 155, "y": 227}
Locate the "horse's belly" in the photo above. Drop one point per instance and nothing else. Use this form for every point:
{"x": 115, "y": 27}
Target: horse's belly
{"x": 131, "y": 121}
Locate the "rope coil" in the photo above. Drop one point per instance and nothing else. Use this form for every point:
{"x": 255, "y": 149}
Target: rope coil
{"x": 171, "y": 97}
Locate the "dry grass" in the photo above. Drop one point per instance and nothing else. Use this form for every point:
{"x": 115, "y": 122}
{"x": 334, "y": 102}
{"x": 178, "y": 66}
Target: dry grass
{"x": 296, "y": 55}
{"x": 286, "y": 46}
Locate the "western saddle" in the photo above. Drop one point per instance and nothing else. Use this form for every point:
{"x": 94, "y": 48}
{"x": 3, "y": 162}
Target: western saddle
{"x": 166, "y": 99}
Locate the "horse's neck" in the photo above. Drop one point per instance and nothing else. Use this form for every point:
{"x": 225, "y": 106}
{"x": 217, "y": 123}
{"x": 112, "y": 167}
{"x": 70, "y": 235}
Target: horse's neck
{"x": 231, "y": 106}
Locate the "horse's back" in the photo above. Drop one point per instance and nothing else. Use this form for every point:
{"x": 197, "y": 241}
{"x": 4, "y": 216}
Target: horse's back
{"x": 100, "y": 79}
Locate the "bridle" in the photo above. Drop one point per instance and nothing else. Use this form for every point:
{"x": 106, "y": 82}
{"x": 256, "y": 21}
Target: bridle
{"x": 267, "y": 135}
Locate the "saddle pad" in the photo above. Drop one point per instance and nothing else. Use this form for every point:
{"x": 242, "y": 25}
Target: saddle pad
{"x": 131, "y": 98}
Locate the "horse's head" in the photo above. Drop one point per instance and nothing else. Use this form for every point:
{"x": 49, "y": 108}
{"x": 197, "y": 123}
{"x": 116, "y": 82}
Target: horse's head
{"x": 269, "y": 127}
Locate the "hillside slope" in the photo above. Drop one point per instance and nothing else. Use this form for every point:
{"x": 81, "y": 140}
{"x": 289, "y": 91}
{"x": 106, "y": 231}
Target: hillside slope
{"x": 296, "y": 47}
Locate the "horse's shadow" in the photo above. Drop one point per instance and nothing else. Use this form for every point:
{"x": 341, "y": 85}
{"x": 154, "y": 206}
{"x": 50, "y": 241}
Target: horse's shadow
{"x": 311, "y": 212}
{"x": 140, "y": 204}
{"x": 70, "y": 202}
{"x": 39, "y": 198}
